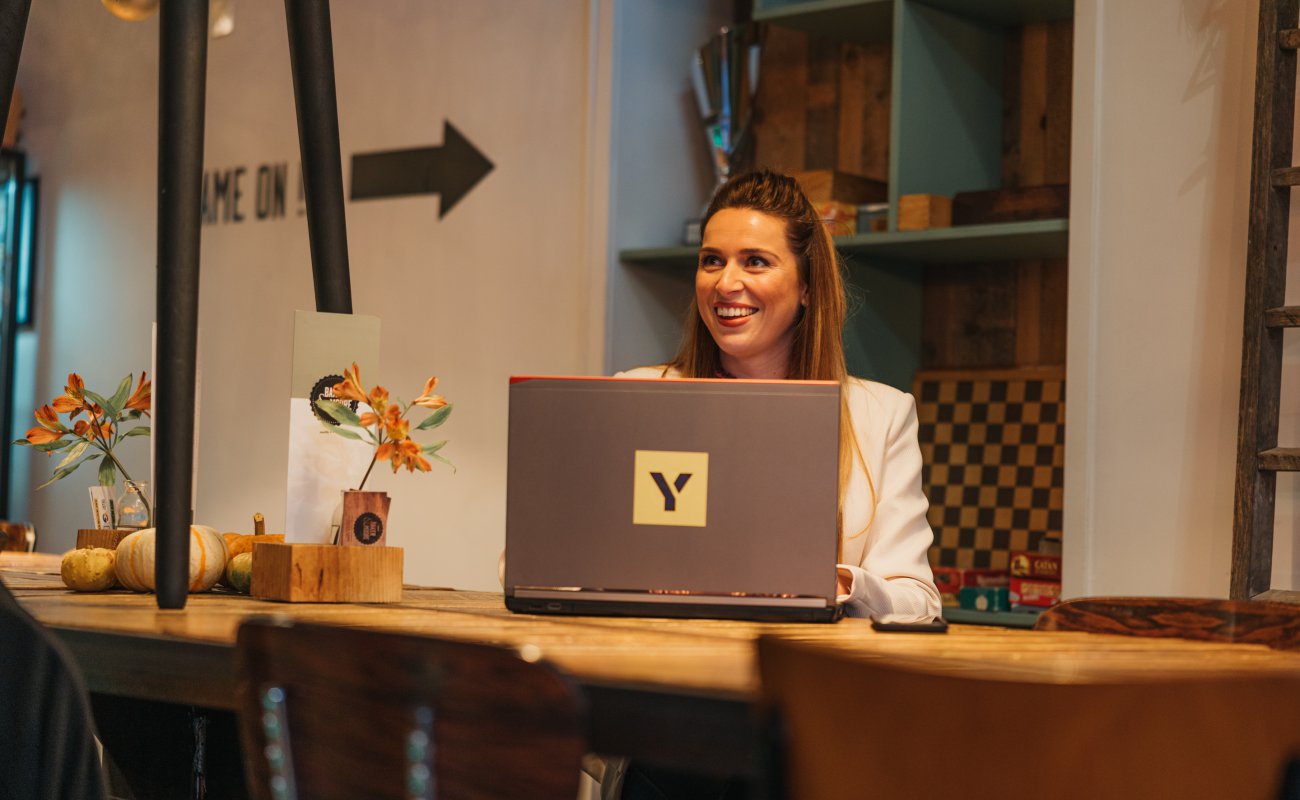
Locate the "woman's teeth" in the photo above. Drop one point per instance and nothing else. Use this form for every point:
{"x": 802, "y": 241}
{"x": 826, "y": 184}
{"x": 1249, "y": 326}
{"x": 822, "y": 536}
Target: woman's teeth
{"x": 728, "y": 313}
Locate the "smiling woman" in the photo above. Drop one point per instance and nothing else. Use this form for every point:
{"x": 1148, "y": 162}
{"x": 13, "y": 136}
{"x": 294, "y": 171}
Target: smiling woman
{"x": 769, "y": 304}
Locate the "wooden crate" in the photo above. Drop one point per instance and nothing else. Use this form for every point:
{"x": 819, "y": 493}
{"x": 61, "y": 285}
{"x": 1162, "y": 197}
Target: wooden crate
{"x": 325, "y": 573}
{"x": 918, "y": 212}
{"x": 106, "y": 537}
{"x": 833, "y": 185}
{"x": 1011, "y": 205}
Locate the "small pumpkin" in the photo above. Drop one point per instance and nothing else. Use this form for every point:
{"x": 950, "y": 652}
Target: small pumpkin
{"x": 243, "y": 542}
{"x": 237, "y": 543}
{"x": 239, "y": 573}
{"x": 88, "y": 569}
{"x": 136, "y": 556}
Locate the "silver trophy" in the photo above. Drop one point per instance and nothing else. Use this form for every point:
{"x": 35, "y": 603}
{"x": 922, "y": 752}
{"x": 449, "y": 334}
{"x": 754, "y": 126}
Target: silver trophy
{"x": 725, "y": 77}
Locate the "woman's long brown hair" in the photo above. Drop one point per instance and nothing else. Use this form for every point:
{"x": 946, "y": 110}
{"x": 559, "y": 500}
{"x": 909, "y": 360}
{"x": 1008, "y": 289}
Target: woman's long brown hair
{"x": 817, "y": 351}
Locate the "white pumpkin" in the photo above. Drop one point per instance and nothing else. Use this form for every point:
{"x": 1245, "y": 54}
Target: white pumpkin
{"x": 136, "y": 557}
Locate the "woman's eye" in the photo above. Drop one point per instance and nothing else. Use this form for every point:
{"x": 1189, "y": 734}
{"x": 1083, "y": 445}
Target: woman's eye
{"x": 710, "y": 262}
{"x": 756, "y": 261}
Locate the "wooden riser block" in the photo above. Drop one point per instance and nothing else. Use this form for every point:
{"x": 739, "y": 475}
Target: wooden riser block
{"x": 107, "y": 537}
{"x": 918, "y": 212}
{"x": 324, "y": 573}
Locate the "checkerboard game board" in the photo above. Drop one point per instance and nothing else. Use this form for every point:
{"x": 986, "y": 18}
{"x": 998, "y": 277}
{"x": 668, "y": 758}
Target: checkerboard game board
{"x": 993, "y": 447}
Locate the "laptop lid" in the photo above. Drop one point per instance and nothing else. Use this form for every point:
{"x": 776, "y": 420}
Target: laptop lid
{"x": 673, "y": 497}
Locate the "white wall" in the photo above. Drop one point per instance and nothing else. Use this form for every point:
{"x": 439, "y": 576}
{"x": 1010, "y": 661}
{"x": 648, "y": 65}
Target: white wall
{"x": 1163, "y": 107}
{"x": 501, "y": 285}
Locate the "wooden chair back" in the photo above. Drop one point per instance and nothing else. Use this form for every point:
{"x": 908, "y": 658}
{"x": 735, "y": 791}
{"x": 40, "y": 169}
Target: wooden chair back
{"x": 1250, "y": 621}
{"x": 17, "y": 536}
{"x": 929, "y": 729}
{"x": 330, "y": 712}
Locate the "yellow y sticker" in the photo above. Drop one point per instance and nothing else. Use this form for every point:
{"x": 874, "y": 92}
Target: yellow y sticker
{"x": 671, "y": 488}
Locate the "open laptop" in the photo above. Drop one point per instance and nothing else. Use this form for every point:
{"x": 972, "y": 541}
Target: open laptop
{"x": 682, "y": 498}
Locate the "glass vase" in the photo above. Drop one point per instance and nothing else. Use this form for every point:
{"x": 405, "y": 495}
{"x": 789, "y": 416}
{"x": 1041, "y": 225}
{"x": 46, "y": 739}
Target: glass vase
{"x": 133, "y": 505}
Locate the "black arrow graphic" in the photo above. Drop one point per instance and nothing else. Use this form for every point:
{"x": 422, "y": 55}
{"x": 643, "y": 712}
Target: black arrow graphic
{"x": 449, "y": 171}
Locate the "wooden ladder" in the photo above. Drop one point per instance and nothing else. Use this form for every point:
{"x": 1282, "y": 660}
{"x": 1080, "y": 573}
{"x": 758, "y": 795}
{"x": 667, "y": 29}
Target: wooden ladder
{"x": 1272, "y": 175}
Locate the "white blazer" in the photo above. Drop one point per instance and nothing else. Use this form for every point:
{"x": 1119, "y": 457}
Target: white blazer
{"x": 883, "y": 547}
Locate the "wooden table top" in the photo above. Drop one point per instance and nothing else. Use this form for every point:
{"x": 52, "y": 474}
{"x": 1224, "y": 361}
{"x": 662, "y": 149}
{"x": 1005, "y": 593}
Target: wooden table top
{"x": 709, "y": 657}
{"x": 669, "y": 690}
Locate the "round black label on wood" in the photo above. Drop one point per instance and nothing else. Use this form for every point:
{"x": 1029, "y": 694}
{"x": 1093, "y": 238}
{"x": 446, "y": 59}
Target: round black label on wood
{"x": 368, "y": 528}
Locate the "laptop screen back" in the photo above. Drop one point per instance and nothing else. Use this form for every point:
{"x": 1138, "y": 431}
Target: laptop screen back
{"x": 694, "y": 488}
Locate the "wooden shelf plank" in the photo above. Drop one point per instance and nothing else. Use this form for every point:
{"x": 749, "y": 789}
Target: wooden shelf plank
{"x": 871, "y": 21}
{"x": 1284, "y": 317}
{"x": 1280, "y": 459}
{"x": 860, "y": 21}
{"x": 1003, "y": 241}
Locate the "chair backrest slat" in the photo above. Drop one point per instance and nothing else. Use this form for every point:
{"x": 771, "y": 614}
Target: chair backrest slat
{"x": 363, "y": 713}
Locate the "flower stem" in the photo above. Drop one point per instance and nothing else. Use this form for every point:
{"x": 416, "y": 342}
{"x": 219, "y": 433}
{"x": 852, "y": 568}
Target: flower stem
{"x": 373, "y": 459}
{"x": 126, "y": 478}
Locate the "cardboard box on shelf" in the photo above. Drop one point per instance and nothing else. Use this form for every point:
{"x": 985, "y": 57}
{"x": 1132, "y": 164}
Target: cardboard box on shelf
{"x": 985, "y": 598}
{"x": 1036, "y": 593}
{"x": 840, "y": 218}
{"x": 1036, "y": 565}
{"x": 951, "y": 580}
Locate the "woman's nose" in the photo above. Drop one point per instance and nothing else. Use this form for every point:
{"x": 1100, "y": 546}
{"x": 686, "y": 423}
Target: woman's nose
{"x": 732, "y": 278}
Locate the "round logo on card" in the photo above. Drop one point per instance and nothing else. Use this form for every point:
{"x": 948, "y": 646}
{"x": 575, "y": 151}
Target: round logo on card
{"x": 368, "y": 528}
{"x": 324, "y": 390}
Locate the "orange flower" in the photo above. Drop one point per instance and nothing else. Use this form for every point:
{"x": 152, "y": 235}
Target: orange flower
{"x": 76, "y": 386}
{"x": 386, "y": 450}
{"x": 378, "y": 400}
{"x": 367, "y": 419}
{"x": 101, "y": 429}
{"x": 396, "y": 427}
{"x": 141, "y": 398}
{"x": 407, "y": 453}
{"x": 350, "y": 388}
{"x": 81, "y": 427}
{"x": 427, "y": 398}
{"x": 63, "y": 404}
{"x": 42, "y": 435}
{"x": 48, "y": 419}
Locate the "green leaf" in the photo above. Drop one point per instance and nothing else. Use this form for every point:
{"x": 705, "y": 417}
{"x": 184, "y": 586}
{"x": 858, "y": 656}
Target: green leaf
{"x": 118, "y": 399}
{"x": 107, "y": 472}
{"x": 339, "y": 412}
{"x": 64, "y": 472}
{"x": 56, "y": 445}
{"x": 133, "y": 413}
{"x": 96, "y": 399}
{"x": 437, "y": 457}
{"x": 430, "y": 449}
{"x": 73, "y": 454}
{"x": 344, "y": 432}
{"x": 139, "y": 430}
{"x": 435, "y": 419}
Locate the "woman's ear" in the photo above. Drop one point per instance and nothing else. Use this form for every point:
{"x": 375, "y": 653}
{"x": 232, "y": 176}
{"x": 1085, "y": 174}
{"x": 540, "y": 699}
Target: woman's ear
{"x": 803, "y": 296}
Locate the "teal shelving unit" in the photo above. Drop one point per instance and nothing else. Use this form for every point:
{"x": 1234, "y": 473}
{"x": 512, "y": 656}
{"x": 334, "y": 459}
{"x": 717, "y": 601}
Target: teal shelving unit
{"x": 945, "y": 137}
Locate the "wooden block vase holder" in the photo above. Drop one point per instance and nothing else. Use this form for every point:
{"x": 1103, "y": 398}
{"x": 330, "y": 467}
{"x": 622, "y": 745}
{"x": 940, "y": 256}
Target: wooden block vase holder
{"x": 102, "y": 537}
{"x": 326, "y": 573}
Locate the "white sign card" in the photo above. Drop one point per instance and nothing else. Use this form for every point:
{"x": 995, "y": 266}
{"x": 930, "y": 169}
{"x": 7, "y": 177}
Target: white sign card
{"x": 322, "y": 465}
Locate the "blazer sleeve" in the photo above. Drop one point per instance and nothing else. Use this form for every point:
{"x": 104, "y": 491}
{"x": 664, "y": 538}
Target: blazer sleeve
{"x": 895, "y": 576}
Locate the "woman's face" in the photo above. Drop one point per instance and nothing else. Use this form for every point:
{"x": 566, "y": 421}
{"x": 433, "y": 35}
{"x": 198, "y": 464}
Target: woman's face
{"x": 749, "y": 292}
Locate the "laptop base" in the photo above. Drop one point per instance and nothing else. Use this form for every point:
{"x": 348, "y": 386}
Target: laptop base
{"x": 631, "y": 608}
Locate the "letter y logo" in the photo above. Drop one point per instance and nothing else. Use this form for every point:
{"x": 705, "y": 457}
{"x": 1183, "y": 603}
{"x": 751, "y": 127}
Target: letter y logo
{"x": 670, "y": 497}
{"x": 670, "y": 488}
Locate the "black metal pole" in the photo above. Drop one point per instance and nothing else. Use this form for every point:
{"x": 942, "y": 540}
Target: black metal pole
{"x": 183, "y": 58}
{"x": 311, "y": 55}
{"x": 13, "y": 28}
